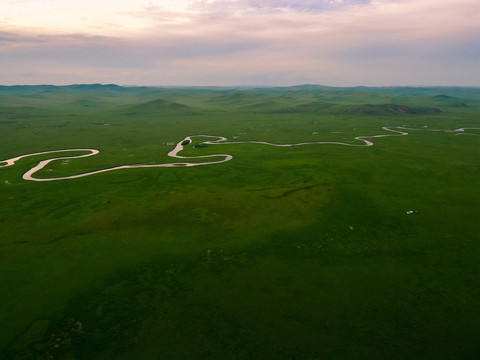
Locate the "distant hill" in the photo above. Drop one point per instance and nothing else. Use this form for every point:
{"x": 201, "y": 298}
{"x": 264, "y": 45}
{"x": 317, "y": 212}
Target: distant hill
{"x": 236, "y": 98}
{"x": 382, "y": 109}
{"x": 454, "y": 91}
{"x": 314, "y": 107}
{"x": 104, "y": 89}
{"x": 16, "y": 88}
{"x": 307, "y": 99}
{"x": 263, "y": 106}
{"x": 234, "y": 92}
{"x": 449, "y": 101}
{"x": 96, "y": 87}
{"x": 324, "y": 107}
{"x": 160, "y": 106}
{"x": 246, "y": 100}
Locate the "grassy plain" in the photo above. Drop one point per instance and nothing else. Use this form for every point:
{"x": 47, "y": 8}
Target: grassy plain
{"x": 281, "y": 253}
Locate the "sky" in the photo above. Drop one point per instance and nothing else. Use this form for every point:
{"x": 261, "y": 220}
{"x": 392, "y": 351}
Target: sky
{"x": 240, "y": 42}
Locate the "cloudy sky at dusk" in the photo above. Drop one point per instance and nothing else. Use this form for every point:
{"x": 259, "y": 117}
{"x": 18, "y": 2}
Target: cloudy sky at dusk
{"x": 240, "y": 42}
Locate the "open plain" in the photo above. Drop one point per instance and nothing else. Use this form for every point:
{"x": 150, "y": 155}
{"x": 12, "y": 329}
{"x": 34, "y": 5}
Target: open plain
{"x": 306, "y": 222}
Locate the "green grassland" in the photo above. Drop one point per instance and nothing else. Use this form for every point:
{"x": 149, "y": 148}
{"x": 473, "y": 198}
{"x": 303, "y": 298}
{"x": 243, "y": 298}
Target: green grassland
{"x": 281, "y": 253}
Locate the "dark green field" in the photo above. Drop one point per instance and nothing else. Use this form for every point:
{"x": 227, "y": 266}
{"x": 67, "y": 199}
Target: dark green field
{"x": 300, "y": 252}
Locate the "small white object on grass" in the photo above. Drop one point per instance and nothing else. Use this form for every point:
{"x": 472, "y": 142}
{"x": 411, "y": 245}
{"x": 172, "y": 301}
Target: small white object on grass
{"x": 410, "y": 212}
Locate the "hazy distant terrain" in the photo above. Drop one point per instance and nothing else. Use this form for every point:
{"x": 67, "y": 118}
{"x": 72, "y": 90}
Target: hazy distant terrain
{"x": 301, "y": 252}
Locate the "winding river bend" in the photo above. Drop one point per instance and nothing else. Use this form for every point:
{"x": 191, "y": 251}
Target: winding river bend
{"x": 365, "y": 140}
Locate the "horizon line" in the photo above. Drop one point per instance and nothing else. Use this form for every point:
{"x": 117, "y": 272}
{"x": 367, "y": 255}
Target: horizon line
{"x": 243, "y": 86}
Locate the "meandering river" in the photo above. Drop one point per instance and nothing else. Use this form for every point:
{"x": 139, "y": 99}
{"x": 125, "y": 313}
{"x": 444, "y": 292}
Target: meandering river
{"x": 365, "y": 140}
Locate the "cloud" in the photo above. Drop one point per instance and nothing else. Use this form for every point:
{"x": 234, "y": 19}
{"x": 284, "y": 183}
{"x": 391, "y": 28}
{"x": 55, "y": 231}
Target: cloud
{"x": 306, "y": 5}
{"x": 10, "y": 37}
{"x": 299, "y": 5}
{"x": 349, "y": 42}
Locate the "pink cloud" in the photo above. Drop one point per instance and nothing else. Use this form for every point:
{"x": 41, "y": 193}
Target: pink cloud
{"x": 379, "y": 43}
